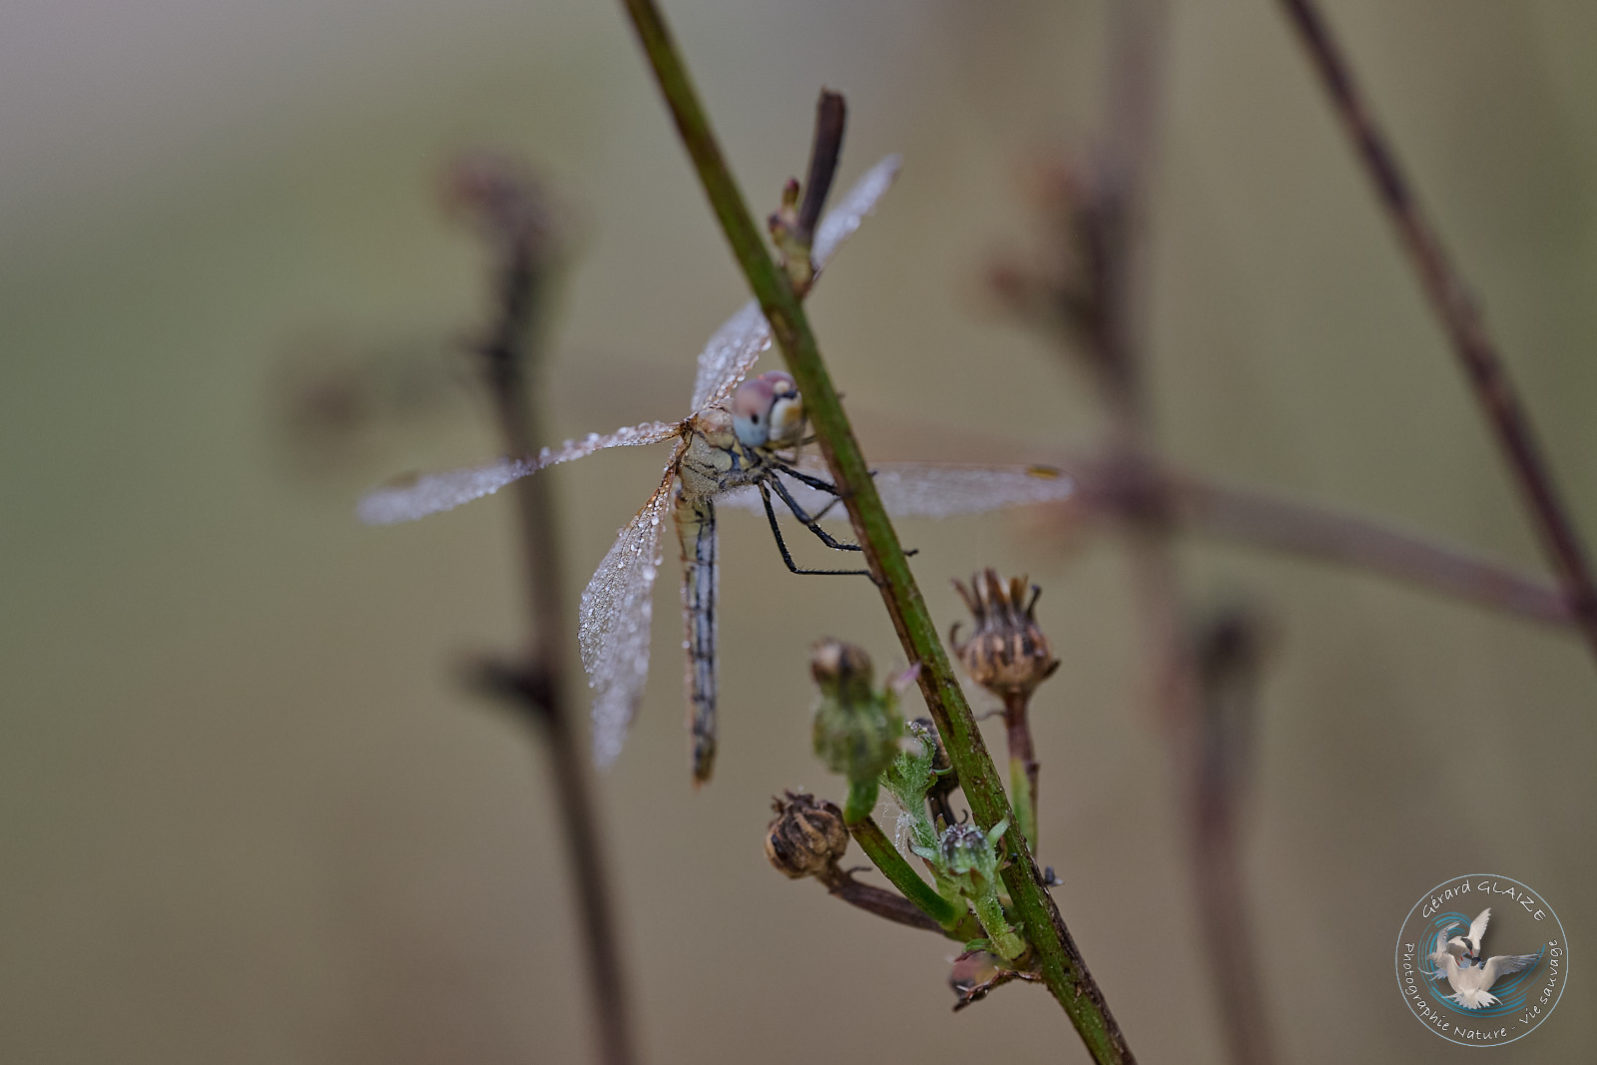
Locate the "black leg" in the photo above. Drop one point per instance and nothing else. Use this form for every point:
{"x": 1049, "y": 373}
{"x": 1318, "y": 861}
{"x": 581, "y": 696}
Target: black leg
{"x": 810, "y": 479}
{"x": 809, "y": 522}
{"x": 781, "y": 545}
{"x": 812, "y": 523}
{"x": 815, "y": 483}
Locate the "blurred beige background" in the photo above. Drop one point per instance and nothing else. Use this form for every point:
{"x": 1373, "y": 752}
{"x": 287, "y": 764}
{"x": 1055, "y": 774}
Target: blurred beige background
{"x": 246, "y": 813}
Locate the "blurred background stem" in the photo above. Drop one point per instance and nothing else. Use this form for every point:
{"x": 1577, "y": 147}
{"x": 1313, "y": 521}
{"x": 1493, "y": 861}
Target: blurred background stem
{"x": 513, "y": 217}
{"x": 1466, "y": 330}
{"x": 1113, "y": 231}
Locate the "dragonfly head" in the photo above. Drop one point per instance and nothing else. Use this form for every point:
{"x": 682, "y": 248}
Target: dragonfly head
{"x": 767, "y": 411}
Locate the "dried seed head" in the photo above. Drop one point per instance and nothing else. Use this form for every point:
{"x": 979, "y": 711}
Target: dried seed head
{"x": 1008, "y": 653}
{"x": 807, "y": 837}
{"x": 856, "y": 728}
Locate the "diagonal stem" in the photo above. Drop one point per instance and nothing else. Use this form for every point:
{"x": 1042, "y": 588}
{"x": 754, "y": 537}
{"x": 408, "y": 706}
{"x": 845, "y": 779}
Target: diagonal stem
{"x": 1057, "y": 959}
{"x": 1450, "y": 298}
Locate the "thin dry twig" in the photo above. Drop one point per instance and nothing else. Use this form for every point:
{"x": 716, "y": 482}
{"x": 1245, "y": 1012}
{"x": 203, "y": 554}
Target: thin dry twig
{"x": 1151, "y": 492}
{"x": 1460, "y": 317}
{"x": 1227, "y": 650}
{"x": 511, "y": 214}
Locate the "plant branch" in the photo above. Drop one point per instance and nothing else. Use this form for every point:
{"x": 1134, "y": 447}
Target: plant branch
{"x": 830, "y": 114}
{"x": 1450, "y": 297}
{"x": 510, "y": 212}
{"x": 1280, "y": 524}
{"x": 881, "y": 902}
{"x": 1152, "y": 492}
{"x": 1057, "y": 959}
{"x": 1022, "y": 761}
{"x": 1227, "y": 648}
{"x": 880, "y": 850}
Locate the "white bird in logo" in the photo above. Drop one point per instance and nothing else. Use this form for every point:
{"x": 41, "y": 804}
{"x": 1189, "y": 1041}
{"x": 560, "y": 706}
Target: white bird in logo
{"x": 1471, "y": 977}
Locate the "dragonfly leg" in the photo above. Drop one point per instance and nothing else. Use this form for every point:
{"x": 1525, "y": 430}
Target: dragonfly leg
{"x": 781, "y": 545}
{"x": 813, "y": 523}
{"x": 820, "y": 486}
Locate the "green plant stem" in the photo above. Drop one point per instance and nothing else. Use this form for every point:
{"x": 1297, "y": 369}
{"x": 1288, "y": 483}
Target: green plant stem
{"x": 1022, "y": 762}
{"x": 1006, "y": 942}
{"x": 1057, "y": 959}
{"x": 861, "y": 801}
{"x": 880, "y": 850}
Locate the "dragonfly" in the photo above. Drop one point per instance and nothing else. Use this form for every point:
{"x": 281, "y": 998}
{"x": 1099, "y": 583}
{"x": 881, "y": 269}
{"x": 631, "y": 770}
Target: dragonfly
{"x": 741, "y": 445}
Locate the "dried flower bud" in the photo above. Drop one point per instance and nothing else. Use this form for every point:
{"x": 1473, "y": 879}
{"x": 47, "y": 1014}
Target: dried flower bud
{"x": 807, "y": 837}
{"x": 1008, "y": 653}
{"x": 857, "y": 728}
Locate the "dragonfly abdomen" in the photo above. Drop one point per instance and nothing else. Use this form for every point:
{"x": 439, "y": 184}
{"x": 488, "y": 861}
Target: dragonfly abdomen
{"x": 695, "y": 520}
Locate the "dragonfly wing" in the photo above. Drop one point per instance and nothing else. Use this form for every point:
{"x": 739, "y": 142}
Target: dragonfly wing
{"x": 843, "y": 219}
{"x": 430, "y": 493}
{"x": 726, "y": 359}
{"x": 926, "y": 490}
{"x": 613, "y": 628}
{"x": 737, "y": 345}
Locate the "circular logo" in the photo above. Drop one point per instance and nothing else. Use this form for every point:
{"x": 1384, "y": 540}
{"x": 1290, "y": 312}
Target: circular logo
{"x": 1481, "y": 960}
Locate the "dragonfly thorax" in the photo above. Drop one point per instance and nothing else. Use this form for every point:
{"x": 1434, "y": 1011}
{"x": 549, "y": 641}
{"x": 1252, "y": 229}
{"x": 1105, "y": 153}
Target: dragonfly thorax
{"x": 729, "y": 448}
{"x": 715, "y": 460}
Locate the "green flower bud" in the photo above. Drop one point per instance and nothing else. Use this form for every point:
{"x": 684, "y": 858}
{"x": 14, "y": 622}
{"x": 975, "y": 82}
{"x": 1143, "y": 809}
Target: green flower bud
{"x": 856, "y": 728}
{"x": 967, "y": 859}
{"x": 969, "y": 852}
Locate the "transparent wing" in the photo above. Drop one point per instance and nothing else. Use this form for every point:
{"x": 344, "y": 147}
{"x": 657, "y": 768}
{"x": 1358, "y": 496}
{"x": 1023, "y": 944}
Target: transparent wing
{"x": 430, "y": 493}
{"x": 613, "y": 625}
{"x": 924, "y": 490}
{"x": 844, "y": 218}
{"x": 737, "y": 345}
{"x": 726, "y": 359}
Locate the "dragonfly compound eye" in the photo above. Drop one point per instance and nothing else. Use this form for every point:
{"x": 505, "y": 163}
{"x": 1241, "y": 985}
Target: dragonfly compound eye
{"x": 767, "y": 411}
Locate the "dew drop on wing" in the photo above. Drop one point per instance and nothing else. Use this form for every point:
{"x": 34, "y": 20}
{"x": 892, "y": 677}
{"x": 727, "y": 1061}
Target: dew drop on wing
{"x": 738, "y": 344}
{"x": 418, "y": 496}
{"x": 613, "y": 630}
